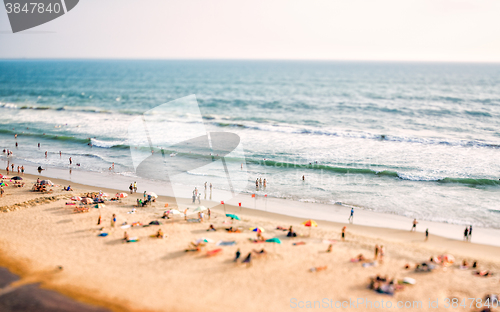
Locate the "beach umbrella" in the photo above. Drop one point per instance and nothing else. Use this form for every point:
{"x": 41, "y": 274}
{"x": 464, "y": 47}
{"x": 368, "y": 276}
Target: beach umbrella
{"x": 310, "y": 224}
{"x": 257, "y": 229}
{"x": 99, "y": 206}
{"x": 3, "y": 184}
{"x": 121, "y": 195}
{"x": 232, "y": 216}
{"x": 46, "y": 182}
{"x": 76, "y": 198}
{"x": 200, "y": 208}
{"x": 152, "y": 194}
{"x": 16, "y": 178}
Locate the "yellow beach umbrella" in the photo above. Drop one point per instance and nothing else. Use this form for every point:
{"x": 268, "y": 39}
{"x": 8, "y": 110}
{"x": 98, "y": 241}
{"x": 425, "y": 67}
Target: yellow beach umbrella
{"x": 310, "y": 224}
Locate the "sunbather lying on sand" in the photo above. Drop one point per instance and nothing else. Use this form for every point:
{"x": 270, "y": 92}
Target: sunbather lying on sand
{"x": 281, "y": 228}
{"x": 425, "y": 267}
{"x": 211, "y": 228}
{"x": 483, "y": 273}
{"x": 232, "y": 230}
{"x": 317, "y": 269}
{"x": 359, "y": 258}
{"x": 384, "y": 286}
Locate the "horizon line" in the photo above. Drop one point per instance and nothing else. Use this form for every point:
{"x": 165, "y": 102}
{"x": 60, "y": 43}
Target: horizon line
{"x": 243, "y": 59}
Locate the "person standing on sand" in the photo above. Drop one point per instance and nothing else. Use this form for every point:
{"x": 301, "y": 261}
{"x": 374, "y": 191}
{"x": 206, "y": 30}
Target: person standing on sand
{"x": 99, "y": 220}
{"x": 22, "y": 170}
{"x": 131, "y": 188}
{"x": 1, "y": 191}
{"x": 351, "y": 217}
{"x": 18, "y": 169}
{"x": 12, "y": 168}
{"x": 238, "y": 255}
{"x": 7, "y": 169}
{"x": 382, "y": 253}
{"x": 376, "y": 252}
{"x": 414, "y": 227}
{"x": 343, "y": 233}
{"x": 135, "y": 187}
{"x": 426, "y": 234}
{"x": 466, "y": 234}
{"x": 470, "y": 232}
{"x": 208, "y": 213}
{"x": 113, "y": 220}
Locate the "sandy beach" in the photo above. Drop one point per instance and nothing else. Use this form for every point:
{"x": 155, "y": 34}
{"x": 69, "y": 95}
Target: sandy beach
{"x": 39, "y": 237}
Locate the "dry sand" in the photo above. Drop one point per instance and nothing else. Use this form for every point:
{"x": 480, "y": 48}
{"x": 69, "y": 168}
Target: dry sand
{"x": 158, "y": 275}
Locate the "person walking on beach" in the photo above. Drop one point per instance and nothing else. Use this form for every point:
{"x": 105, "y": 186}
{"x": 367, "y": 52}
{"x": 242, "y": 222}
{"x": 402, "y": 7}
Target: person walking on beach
{"x": 414, "y": 227}
{"x": 45, "y": 154}
{"x": 381, "y": 253}
{"x": 426, "y": 234}
{"x": 1, "y": 191}
{"x": 470, "y": 232}
{"x": 205, "y": 187}
{"x": 343, "y": 233}
{"x": 113, "y": 220}
{"x": 99, "y": 220}
{"x": 131, "y": 188}
{"x": 238, "y": 255}
{"x": 135, "y": 187}
{"x": 70, "y": 161}
{"x": 22, "y": 170}
{"x": 376, "y": 252}
{"x": 351, "y": 217}
{"x": 7, "y": 169}
{"x": 208, "y": 213}
{"x": 12, "y": 168}
{"x": 466, "y": 234}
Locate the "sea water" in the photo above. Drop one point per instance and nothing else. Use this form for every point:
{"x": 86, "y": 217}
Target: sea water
{"x": 415, "y": 139}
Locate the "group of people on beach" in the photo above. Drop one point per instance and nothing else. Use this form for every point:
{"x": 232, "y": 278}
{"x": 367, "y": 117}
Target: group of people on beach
{"x": 133, "y": 187}
{"x": 468, "y": 233}
{"x": 259, "y": 183}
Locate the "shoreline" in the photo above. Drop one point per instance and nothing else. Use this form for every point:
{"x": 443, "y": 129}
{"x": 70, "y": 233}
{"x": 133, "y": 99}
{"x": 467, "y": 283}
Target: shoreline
{"x": 285, "y": 207}
{"x": 406, "y": 244}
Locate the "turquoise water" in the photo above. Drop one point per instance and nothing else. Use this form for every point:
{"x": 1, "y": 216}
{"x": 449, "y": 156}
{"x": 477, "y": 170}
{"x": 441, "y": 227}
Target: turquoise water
{"x": 420, "y": 140}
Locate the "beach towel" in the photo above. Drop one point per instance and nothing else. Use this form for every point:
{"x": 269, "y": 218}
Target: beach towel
{"x": 103, "y": 234}
{"x": 299, "y": 243}
{"x": 213, "y": 252}
{"x": 132, "y": 240}
{"x": 370, "y": 264}
{"x": 126, "y": 226}
{"x": 226, "y": 243}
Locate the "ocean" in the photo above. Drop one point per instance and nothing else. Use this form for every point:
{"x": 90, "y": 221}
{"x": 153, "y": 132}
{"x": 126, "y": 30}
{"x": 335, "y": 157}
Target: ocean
{"x": 420, "y": 140}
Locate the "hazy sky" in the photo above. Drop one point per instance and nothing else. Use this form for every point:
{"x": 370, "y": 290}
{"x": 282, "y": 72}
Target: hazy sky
{"x": 418, "y": 30}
